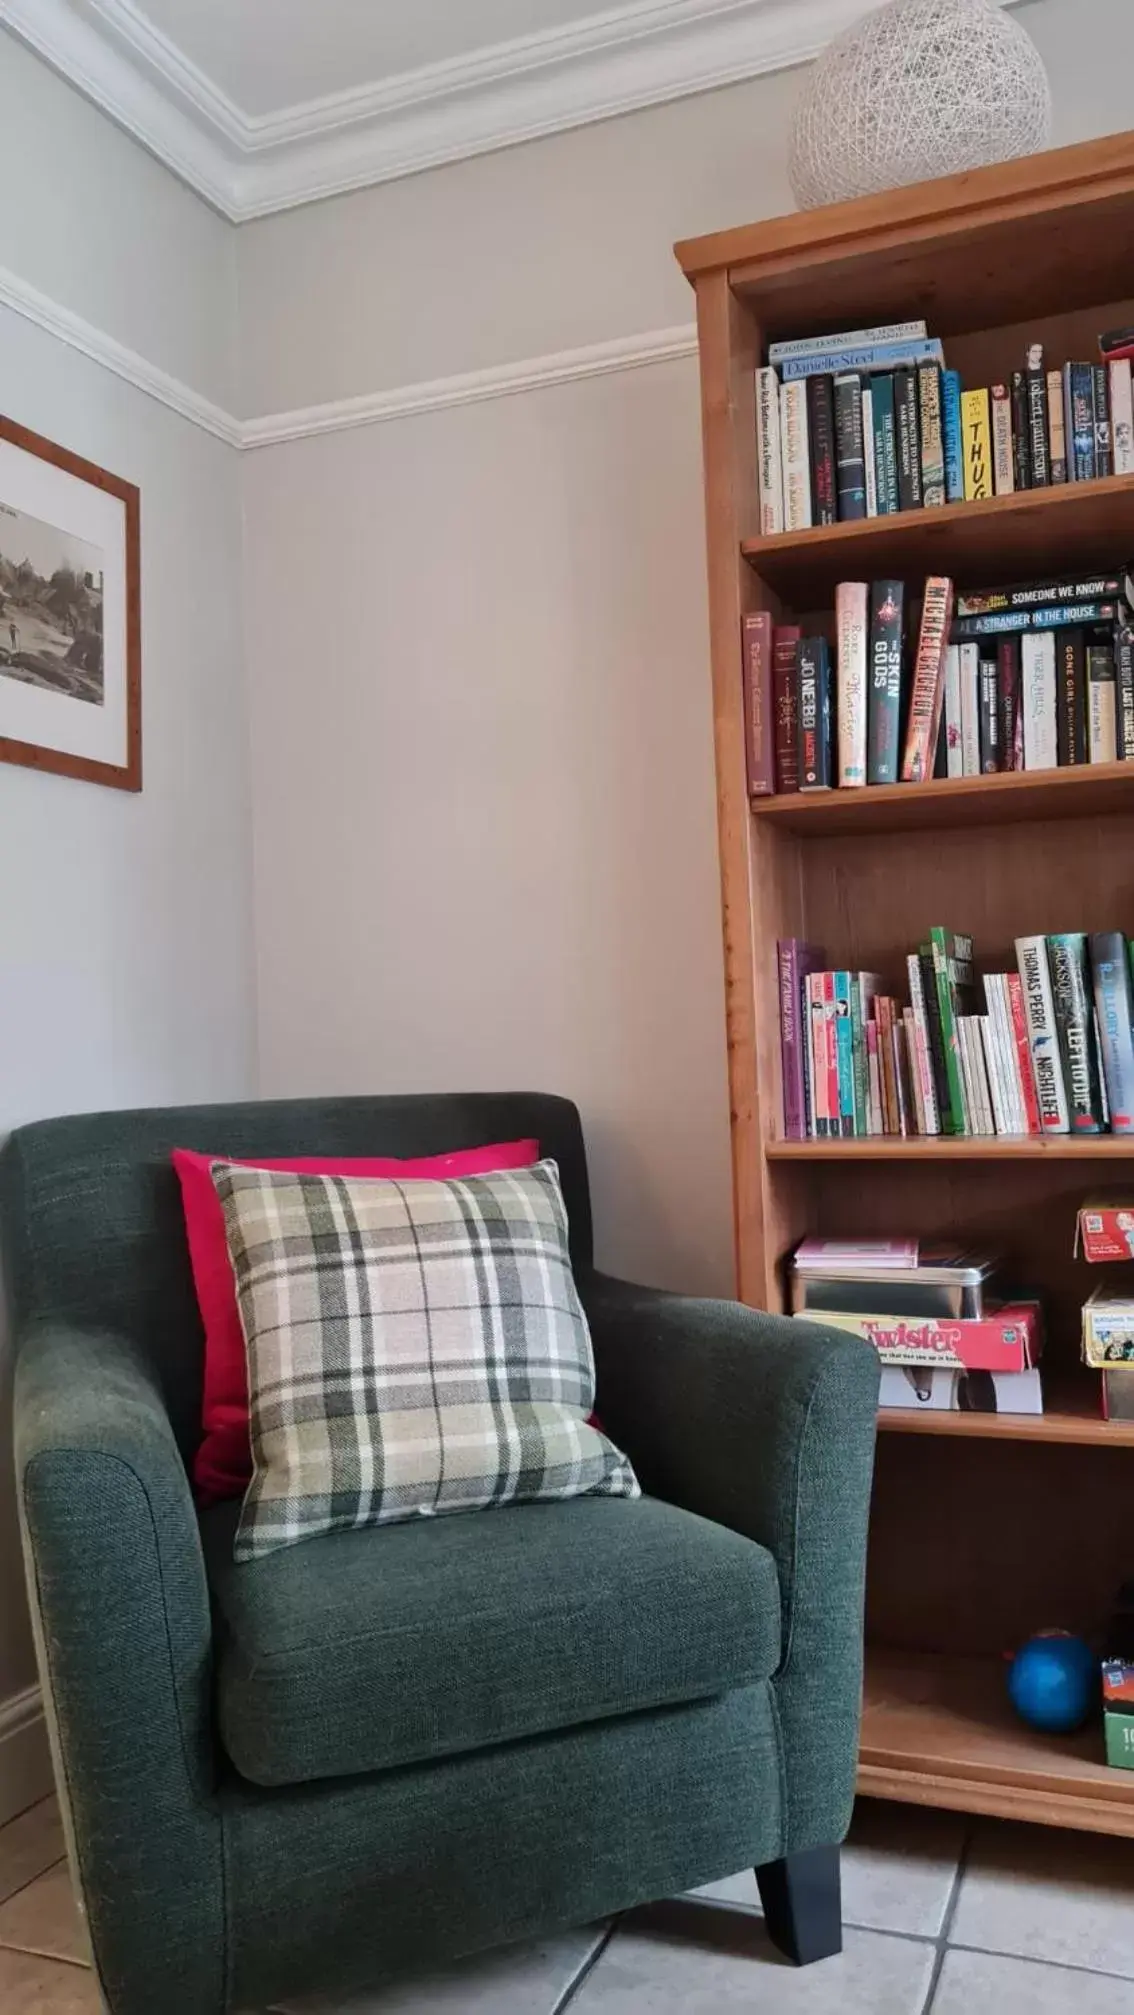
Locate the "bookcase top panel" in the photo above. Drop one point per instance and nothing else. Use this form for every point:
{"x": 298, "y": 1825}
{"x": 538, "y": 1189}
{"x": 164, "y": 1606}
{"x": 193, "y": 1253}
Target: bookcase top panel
{"x": 1038, "y": 236}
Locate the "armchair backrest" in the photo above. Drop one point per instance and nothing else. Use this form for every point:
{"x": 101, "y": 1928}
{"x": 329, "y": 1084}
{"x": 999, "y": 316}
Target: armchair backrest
{"x": 90, "y": 1207}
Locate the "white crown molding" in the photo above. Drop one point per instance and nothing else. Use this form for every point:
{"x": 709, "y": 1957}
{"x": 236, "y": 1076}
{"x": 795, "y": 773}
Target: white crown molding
{"x": 25, "y": 1763}
{"x": 26, "y": 300}
{"x": 501, "y": 381}
{"x": 645, "y": 52}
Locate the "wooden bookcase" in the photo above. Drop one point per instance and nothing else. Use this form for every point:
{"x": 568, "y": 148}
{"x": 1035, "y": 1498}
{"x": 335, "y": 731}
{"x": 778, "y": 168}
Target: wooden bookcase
{"x": 983, "y": 1528}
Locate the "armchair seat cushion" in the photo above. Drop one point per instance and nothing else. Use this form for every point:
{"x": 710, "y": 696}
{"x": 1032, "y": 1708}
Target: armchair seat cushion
{"x": 361, "y": 1651}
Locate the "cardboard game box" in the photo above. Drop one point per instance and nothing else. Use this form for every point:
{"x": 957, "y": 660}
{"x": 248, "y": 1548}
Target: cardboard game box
{"x": 1005, "y": 1339}
{"x": 1104, "y": 1231}
{"x": 1108, "y": 1328}
{"x": 936, "y": 1389}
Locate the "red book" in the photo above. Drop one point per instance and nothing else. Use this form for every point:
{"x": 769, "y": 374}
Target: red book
{"x": 1023, "y": 1052}
{"x": 1008, "y": 713}
{"x": 831, "y": 1053}
{"x": 928, "y": 690}
{"x": 758, "y": 704}
{"x": 785, "y": 704}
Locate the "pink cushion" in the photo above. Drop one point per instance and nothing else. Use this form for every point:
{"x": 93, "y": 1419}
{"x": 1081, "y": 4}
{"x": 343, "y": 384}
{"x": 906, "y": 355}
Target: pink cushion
{"x": 222, "y": 1466}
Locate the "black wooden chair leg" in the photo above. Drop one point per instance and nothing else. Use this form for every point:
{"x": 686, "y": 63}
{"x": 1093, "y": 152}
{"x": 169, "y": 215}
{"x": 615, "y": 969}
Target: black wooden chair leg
{"x": 803, "y": 1905}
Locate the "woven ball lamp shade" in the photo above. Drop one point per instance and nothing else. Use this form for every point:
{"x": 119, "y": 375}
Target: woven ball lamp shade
{"x": 919, "y": 88}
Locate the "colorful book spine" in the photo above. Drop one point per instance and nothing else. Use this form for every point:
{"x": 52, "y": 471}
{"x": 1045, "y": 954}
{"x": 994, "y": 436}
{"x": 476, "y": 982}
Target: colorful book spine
{"x": 1022, "y": 1040}
{"x": 909, "y": 1025}
{"x": 884, "y": 699}
{"x": 931, "y": 1118}
{"x": 1114, "y": 1007}
{"x": 907, "y": 422}
{"x": 1003, "y": 461}
{"x": 851, "y": 606}
{"x": 928, "y": 687}
{"x": 844, "y": 1051}
{"x": 1043, "y": 1036}
{"x": 797, "y": 457}
{"x": 850, "y": 446}
{"x": 1104, "y": 444}
{"x": 814, "y": 708}
{"x": 851, "y": 339}
{"x": 1038, "y": 436}
{"x": 1038, "y": 701}
{"x": 954, "y": 727}
{"x": 874, "y": 1079}
{"x": 932, "y": 437}
{"x": 885, "y": 445}
{"x": 1081, "y": 434}
{"x": 952, "y": 969}
{"x": 868, "y": 449}
{"x": 1070, "y": 699}
{"x": 785, "y": 644}
{"x": 884, "y": 1019}
{"x": 1122, "y": 415}
{"x": 1074, "y": 1021}
{"x": 796, "y": 961}
{"x": 831, "y": 1056}
{"x": 1009, "y": 622}
{"x": 864, "y": 357}
{"x": 1045, "y": 594}
{"x": 821, "y": 447}
{"x": 969, "y": 667}
{"x": 758, "y": 704}
{"x": 976, "y": 423}
{"x": 989, "y": 718}
{"x": 953, "y": 437}
{"x": 769, "y": 454}
{"x": 815, "y": 1056}
{"x": 1102, "y": 716}
{"x": 864, "y": 988}
{"x": 1021, "y": 433}
{"x": 1124, "y": 691}
{"x": 1009, "y": 737}
{"x": 1057, "y": 424}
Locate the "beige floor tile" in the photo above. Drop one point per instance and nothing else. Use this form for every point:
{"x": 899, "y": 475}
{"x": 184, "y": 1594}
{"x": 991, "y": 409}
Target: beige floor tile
{"x": 974, "y": 1981}
{"x": 45, "y": 1918}
{"x": 518, "y": 1980}
{"x": 899, "y": 1866}
{"x": 33, "y": 1986}
{"x": 28, "y": 1845}
{"x": 664, "y": 1962}
{"x": 1038, "y": 1893}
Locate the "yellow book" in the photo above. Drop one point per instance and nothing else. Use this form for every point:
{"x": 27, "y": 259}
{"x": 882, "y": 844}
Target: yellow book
{"x": 976, "y": 431}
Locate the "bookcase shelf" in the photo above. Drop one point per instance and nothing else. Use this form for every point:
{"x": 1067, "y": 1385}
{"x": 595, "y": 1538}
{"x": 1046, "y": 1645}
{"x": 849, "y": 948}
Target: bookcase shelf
{"x": 983, "y": 1528}
{"x": 1006, "y": 538}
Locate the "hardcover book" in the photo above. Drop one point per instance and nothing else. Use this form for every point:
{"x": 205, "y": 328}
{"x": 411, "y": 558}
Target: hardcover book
{"x": 1075, "y": 1022}
{"x": 868, "y": 449}
{"x": 1009, "y": 730}
{"x": 1104, "y": 445}
{"x": 769, "y": 454}
{"x": 1122, "y": 415}
{"x": 909, "y": 441}
{"x": 814, "y": 706}
{"x": 1003, "y": 460}
{"x": 864, "y": 357}
{"x": 885, "y": 445}
{"x": 1038, "y": 440}
{"x": 969, "y": 669}
{"x": 797, "y": 457}
{"x": 932, "y": 437}
{"x": 1114, "y": 1007}
{"x": 785, "y": 641}
{"x": 1045, "y": 594}
{"x": 1081, "y": 432}
{"x": 796, "y": 961}
{"x": 1124, "y": 691}
{"x": 1057, "y": 425}
{"x": 1021, "y": 433}
{"x": 989, "y": 718}
{"x": 758, "y": 704}
{"x": 976, "y": 422}
{"x": 884, "y": 699}
{"x": 953, "y": 717}
{"x": 1071, "y": 698}
{"x": 821, "y": 442}
{"x": 1024, "y": 1067}
{"x": 1006, "y": 622}
{"x": 928, "y": 687}
{"x": 953, "y": 437}
{"x": 851, "y": 604}
{"x": 850, "y": 447}
{"x": 1038, "y": 700}
{"x": 1102, "y": 720}
{"x": 1043, "y": 1036}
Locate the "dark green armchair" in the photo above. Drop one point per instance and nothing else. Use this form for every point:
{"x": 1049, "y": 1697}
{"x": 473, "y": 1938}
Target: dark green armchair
{"x": 387, "y": 1748}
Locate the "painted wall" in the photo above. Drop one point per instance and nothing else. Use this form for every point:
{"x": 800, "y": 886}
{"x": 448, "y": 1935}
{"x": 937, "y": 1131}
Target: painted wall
{"x": 125, "y": 922}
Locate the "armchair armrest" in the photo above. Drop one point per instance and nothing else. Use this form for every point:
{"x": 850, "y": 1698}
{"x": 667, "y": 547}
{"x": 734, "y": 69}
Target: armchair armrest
{"x": 765, "y": 1425}
{"x": 121, "y": 1614}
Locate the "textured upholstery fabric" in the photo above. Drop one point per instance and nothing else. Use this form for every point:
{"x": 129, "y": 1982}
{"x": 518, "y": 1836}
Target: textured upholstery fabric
{"x": 206, "y": 1894}
{"x": 414, "y": 1349}
{"x": 320, "y": 1666}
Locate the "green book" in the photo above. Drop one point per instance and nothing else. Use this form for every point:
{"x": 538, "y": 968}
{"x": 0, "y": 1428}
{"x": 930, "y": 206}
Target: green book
{"x": 953, "y": 971}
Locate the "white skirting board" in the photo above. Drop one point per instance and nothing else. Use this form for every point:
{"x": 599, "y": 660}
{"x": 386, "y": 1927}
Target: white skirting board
{"x": 25, "y": 1761}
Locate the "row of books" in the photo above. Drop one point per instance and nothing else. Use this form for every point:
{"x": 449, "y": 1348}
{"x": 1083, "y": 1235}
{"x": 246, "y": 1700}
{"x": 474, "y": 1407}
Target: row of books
{"x": 870, "y": 422}
{"x": 1047, "y": 1049}
{"x": 1033, "y": 677}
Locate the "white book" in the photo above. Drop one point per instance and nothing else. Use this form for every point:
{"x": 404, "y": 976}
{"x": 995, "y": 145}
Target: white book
{"x": 1000, "y": 1014}
{"x": 1037, "y": 692}
{"x": 1039, "y": 1008}
{"x": 868, "y": 449}
{"x": 1002, "y": 1117}
{"x": 973, "y": 1126}
{"x": 796, "y": 456}
{"x": 978, "y": 1040}
{"x": 852, "y": 618}
{"x": 769, "y": 454}
{"x": 1102, "y": 711}
{"x": 851, "y": 339}
{"x": 1122, "y": 415}
{"x": 969, "y": 674}
{"x": 954, "y": 734}
{"x": 922, "y": 1053}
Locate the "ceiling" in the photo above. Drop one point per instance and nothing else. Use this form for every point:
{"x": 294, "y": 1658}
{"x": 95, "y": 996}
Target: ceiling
{"x": 263, "y": 104}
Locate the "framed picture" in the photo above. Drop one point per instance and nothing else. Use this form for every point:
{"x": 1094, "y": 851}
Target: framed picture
{"x": 70, "y": 614}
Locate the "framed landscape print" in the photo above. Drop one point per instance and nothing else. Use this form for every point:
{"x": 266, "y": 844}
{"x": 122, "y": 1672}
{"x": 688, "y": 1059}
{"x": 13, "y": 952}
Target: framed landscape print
{"x": 70, "y": 614}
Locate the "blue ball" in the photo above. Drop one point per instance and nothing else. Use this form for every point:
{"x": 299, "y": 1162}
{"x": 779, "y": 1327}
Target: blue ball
{"x": 1053, "y": 1682}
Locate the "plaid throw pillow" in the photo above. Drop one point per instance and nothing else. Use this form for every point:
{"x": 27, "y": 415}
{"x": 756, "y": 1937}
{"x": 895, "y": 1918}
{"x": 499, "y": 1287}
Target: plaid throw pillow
{"x": 413, "y": 1348}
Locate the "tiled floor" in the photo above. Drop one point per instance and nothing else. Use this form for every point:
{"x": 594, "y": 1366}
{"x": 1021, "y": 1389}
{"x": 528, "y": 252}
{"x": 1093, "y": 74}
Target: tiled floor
{"x": 962, "y": 1920}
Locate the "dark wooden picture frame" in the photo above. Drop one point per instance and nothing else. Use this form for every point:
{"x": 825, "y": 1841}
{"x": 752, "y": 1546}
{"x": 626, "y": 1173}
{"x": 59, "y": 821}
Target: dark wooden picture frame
{"x": 127, "y": 775}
